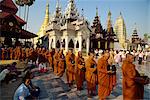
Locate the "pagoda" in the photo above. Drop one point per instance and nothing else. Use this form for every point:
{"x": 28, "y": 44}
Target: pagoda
{"x": 68, "y": 30}
{"x": 110, "y": 36}
{"x": 97, "y": 38}
{"x": 10, "y": 24}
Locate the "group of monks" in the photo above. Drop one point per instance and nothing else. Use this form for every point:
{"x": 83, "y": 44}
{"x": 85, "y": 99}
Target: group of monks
{"x": 16, "y": 53}
{"x": 78, "y": 70}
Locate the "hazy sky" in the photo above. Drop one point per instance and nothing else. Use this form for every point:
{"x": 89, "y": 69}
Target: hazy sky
{"x": 133, "y": 11}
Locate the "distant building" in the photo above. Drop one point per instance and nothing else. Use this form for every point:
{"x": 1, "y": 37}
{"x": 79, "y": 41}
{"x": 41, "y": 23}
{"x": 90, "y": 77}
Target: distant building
{"x": 101, "y": 38}
{"x": 120, "y": 31}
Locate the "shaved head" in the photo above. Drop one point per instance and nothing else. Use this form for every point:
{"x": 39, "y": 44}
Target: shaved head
{"x": 106, "y": 55}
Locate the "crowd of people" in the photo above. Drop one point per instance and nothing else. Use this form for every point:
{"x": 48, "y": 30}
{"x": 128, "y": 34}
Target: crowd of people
{"x": 97, "y": 68}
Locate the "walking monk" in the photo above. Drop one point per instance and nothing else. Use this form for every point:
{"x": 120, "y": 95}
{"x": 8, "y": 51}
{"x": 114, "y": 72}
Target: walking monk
{"x": 91, "y": 75}
{"x": 105, "y": 83}
{"x": 70, "y": 62}
{"x": 133, "y": 83}
{"x": 80, "y": 71}
{"x": 61, "y": 63}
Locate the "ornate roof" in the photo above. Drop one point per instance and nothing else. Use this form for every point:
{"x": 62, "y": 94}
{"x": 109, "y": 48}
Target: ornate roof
{"x": 8, "y": 6}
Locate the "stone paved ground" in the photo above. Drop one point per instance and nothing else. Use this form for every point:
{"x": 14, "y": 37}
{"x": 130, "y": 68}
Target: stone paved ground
{"x": 55, "y": 88}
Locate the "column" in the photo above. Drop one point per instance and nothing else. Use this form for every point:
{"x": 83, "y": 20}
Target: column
{"x": 80, "y": 43}
{"x": 54, "y": 42}
{"x": 66, "y": 43}
{"x": 87, "y": 45}
{"x": 50, "y": 40}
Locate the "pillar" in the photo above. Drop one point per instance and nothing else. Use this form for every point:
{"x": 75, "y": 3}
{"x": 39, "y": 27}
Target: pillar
{"x": 87, "y": 45}
{"x": 66, "y": 43}
{"x": 54, "y": 42}
{"x": 80, "y": 43}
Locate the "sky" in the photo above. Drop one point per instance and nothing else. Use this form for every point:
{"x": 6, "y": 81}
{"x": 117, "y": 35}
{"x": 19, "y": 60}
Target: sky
{"x": 133, "y": 11}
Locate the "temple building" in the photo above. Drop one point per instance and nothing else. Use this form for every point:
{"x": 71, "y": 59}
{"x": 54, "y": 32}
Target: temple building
{"x": 101, "y": 38}
{"x": 11, "y": 25}
{"x": 120, "y": 31}
{"x": 68, "y": 30}
{"x": 97, "y": 39}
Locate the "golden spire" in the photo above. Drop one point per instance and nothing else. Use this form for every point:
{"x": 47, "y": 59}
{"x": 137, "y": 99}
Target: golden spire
{"x": 96, "y": 11}
{"x": 45, "y": 22}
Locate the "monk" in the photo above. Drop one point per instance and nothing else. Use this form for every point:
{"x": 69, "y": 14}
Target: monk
{"x": 49, "y": 58}
{"x": 80, "y": 71}
{"x": 133, "y": 83}
{"x": 18, "y": 52}
{"x": 56, "y": 62}
{"x": 3, "y": 53}
{"x": 27, "y": 52}
{"x": 61, "y": 63}
{"x": 91, "y": 75}
{"x": 70, "y": 64}
{"x": 11, "y": 53}
{"x": 105, "y": 77}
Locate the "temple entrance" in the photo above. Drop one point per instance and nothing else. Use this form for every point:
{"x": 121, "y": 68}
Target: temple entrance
{"x": 71, "y": 44}
{"x": 58, "y": 44}
{"x": 77, "y": 45}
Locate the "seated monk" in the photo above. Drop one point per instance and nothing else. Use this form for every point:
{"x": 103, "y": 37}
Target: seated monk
{"x": 61, "y": 63}
{"x": 80, "y": 71}
{"x": 70, "y": 73}
{"x": 56, "y": 62}
{"x": 91, "y": 75}
{"x": 105, "y": 77}
{"x": 133, "y": 83}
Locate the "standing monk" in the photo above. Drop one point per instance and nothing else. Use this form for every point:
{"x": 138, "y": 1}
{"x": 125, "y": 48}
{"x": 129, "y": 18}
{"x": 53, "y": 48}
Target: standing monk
{"x": 3, "y": 53}
{"x": 70, "y": 62}
{"x": 133, "y": 83}
{"x": 11, "y": 53}
{"x": 49, "y": 58}
{"x": 61, "y": 63}
{"x": 56, "y": 62}
{"x": 105, "y": 82}
{"x": 91, "y": 75}
{"x": 80, "y": 71}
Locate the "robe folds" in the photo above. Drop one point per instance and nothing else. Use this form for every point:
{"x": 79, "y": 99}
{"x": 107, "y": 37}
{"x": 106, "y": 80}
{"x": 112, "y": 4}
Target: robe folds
{"x": 49, "y": 57}
{"x": 106, "y": 81}
{"x": 11, "y": 53}
{"x": 79, "y": 74}
{"x": 70, "y": 68}
{"x": 61, "y": 64}
{"x": 132, "y": 89}
{"x": 91, "y": 77}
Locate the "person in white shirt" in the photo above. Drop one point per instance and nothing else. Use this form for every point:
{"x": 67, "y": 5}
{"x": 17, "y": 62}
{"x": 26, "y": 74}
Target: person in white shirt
{"x": 140, "y": 57}
{"x": 42, "y": 67}
{"x": 117, "y": 58}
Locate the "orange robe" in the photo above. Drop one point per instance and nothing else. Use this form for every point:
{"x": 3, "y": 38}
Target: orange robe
{"x": 27, "y": 52}
{"x": 106, "y": 82}
{"x": 132, "y": 90}
{"x": 18, "y": 53}
{"x": 80, "y": 73}
{"x": 61, "y": 64}
{"x": 91, "y": 77}
{"x": 70, "y": 68}
{"x": 55, "y": 63}
{"x": 11, "y": 53}
{"x": 49, "y": 58}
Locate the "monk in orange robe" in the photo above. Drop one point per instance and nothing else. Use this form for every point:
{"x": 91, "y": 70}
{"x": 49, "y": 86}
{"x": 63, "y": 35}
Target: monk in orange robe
{"x": 70, "y": 65}
{"x": 91, "y": 75}
{"x": 18, "y": 51}
{"x": 80, "y": 71}
{"x": 61, "y": 64}
{"x": 27, "y": 52}
{"x": 105, "y": 77}
{"x": 11, "y": 53}
{"x": 133, "y": 83}
{"x": 49, "y": 58}
{"x": 56, "y": 62}
{"x": 3, "y": 53}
